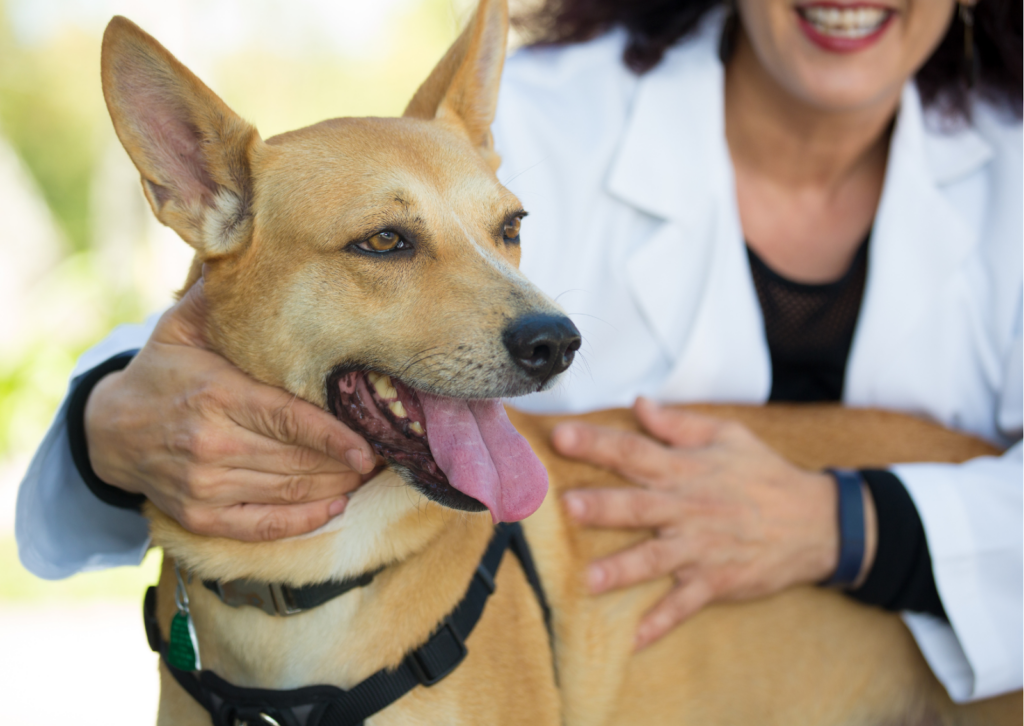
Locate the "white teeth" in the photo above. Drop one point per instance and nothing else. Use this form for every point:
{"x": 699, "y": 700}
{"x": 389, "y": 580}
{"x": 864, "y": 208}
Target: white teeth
{"x": 398, "y": 409}
{"x": 416, "y": 428}
{"x": 382, "y": 384}
{"x": 845, "y": 22}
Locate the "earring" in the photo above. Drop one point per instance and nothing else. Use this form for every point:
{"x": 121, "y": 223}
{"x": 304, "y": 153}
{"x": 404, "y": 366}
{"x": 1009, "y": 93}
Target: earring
{"x": 727, "y": 42}
{"x": 966, "y": 9}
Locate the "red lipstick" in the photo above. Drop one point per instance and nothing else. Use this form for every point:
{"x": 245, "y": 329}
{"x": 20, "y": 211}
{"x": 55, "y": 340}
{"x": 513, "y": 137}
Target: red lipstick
{"x": 839, "y": 27}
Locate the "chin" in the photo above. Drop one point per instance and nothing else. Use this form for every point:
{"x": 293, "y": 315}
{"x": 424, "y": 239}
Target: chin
{"x": 854, "y": 88}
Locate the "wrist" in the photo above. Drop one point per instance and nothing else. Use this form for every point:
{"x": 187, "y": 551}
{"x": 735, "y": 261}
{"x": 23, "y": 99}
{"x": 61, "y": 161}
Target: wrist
{"x": 78, "y": 440}
{"x": 855, "y": 527}
{"x": 870, "y": 536}
{"x": 824, "y": 540}
{"x": 100, "y": 428}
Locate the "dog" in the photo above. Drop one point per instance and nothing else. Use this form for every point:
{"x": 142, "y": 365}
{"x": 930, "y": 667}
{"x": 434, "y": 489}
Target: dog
{"x": 370, "y": 266}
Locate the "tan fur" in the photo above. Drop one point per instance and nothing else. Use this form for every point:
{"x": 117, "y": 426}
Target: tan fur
{"x": 289, "y": 299}
{"x": 806, "y": 656}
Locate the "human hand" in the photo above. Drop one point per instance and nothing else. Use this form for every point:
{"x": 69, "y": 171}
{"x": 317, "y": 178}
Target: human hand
{"x": 222, "y": 453}
{"x": 733, "y": 520}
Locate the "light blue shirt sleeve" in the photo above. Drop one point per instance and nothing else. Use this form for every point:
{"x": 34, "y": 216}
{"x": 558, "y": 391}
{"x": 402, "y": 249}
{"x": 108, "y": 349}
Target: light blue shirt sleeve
{"x": 60, "y": 525}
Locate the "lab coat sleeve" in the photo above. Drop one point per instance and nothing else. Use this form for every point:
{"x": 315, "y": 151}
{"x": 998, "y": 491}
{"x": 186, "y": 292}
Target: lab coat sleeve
{"x": 973, "y": 516}
{"x": 60, "y": 526}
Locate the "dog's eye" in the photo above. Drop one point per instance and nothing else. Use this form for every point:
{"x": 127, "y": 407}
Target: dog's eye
{"x": 511, "y": 230}
{"x": 386, "y": 241}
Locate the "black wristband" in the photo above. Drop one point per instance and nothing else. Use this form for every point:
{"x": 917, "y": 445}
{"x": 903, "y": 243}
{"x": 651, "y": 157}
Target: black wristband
{"x": 81, "y": 387}
{"x": 850, "y": 506}
{"x": 901, "y": 577}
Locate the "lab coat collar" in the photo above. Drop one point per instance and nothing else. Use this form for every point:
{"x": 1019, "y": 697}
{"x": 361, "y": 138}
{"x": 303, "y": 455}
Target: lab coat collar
{"x": 951, "y": 150}
{"x": 691, "y": 278}
{"x": 919, "y": 241}
{"x": 674, "y": 142}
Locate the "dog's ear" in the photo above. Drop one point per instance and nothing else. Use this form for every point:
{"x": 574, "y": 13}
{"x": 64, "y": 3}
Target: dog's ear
{"x": 463, "y": 88}
{"x": 192, "y": 151}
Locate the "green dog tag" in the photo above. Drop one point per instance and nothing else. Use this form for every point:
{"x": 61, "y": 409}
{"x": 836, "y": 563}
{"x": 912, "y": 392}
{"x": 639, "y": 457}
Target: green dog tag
{"x": 182, "y": 648}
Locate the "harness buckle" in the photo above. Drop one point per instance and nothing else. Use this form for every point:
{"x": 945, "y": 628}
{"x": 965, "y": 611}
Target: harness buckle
{"x": 272, "y": 598}
{"x": 439, "y": 656}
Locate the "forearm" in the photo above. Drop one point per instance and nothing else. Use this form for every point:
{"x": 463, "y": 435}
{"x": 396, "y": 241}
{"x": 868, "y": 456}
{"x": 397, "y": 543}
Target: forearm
{"x": 61, "y": 527}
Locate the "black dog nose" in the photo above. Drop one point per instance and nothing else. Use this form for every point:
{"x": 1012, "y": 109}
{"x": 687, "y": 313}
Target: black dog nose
{"x": 542, "y": 345}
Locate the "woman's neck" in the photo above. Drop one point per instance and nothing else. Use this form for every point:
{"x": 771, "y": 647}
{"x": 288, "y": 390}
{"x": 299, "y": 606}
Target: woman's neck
{"x": 808, "y": 180}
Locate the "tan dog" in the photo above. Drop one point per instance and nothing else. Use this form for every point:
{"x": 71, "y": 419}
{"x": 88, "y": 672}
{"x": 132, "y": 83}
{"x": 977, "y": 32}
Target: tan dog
{"x": 369, "y": 266}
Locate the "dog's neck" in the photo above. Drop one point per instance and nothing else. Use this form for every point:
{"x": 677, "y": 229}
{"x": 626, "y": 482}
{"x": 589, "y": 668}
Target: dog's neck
{"x": 385, "y": 522}
{"x": 429, "y": 554}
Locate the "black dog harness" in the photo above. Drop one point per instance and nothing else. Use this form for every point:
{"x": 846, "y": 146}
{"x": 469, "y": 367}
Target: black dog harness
{"x": 444, "y": 650}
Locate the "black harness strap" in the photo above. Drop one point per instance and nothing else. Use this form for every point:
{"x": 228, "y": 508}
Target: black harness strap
{"x": 231, "y": 705}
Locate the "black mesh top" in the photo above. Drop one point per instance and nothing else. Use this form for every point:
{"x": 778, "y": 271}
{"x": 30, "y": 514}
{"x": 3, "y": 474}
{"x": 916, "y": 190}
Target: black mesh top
{"x": 809, "y": 329}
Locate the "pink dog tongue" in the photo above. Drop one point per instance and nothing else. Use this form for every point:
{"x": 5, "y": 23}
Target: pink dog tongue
{"x": 483, "y": 456}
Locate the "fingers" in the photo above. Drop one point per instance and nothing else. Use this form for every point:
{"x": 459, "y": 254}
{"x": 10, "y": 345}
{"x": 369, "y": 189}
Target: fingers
{"x": 685, "y": 600}
{"x": 276, "y": 414}
{"x": 261, "y": 522}
{"x": 675, "y": 427}
{"x": 185, "y": 322}
{"x": 633, "y": 455}
{"x": 240, "y": 448}
{"x": 630, "y": 508}
{"x": 259, "y": 487}
{"x": 645, "y": 561}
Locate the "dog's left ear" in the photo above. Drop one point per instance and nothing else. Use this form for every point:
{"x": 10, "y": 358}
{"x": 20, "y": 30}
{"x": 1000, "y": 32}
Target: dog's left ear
{"x": 463, "y": 88}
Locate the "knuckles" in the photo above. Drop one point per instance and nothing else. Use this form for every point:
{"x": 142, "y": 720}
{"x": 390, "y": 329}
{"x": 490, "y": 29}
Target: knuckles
{"x": 197, "y": 520}
{"x": 303, "y": 460}
{"x": 273, "y": 525}
{"x": 207, "y": 397}
{"x": 199, "y": 484}
{"x": 657, "y": 558}
{"x": 295, "y": 489}
{"x": 283, "y": 424}
{"x": 633, "y": 448}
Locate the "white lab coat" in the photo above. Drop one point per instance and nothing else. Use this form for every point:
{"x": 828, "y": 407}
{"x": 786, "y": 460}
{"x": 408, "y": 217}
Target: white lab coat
{"x": 633, "y": 227}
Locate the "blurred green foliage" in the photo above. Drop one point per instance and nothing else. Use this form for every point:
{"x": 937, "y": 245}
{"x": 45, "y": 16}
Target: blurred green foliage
{"x": 50, "y": 107}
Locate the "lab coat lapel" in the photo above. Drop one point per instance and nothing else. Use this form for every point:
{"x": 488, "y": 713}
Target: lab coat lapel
{"x": 918, "y": 242}
{"x": 691, "y": 279}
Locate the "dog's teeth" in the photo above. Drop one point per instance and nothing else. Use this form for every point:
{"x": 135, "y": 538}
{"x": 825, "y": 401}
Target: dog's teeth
{"x": 416, "y": 428}
{"x": 382, "y": 384}
{"x": 398, "y": 409}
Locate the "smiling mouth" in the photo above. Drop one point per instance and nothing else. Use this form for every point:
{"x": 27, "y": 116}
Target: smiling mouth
{"x": 461, "y": 453}
{"x": 845, "y": 22}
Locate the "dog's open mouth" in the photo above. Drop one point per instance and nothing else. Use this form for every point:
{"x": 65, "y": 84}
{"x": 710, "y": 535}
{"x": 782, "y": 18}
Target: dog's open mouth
{"x": 464, "y": 454}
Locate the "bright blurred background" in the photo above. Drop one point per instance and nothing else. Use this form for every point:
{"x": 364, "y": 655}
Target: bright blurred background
{"x": 80, "y": 252}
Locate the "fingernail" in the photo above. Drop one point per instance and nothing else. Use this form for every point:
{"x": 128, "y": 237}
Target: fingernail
{"x": 566, "y": 437}
{"x": 596, "y": 578}
{"x": 575, "y": 505}
{"x": 354, "y": 457}
{"x": 337, "y": 507}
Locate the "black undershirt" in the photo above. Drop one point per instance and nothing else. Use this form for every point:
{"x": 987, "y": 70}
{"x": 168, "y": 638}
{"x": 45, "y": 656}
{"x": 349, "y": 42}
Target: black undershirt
{"x": 809, "y": 329}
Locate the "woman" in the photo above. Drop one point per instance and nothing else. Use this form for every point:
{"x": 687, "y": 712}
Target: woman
{"x": 707, "y": 188}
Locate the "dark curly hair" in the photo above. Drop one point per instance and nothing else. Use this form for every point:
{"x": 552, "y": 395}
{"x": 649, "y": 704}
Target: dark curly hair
{"x": 654, "y": 26}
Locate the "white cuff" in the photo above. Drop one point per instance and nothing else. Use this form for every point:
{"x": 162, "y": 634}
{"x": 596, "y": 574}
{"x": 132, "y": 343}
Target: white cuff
{"x": 973, "y": 517}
